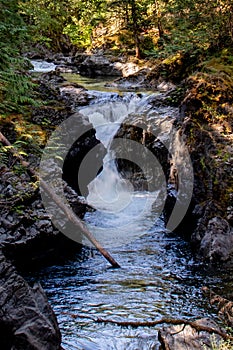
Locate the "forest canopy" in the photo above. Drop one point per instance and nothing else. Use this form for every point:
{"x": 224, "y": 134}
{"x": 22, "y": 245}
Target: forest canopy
{"x": 119, "y": 24}
{"x": 144, "y": 28}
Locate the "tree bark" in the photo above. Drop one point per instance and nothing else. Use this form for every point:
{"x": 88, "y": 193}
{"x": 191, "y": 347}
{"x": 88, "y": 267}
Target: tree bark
{"x": 158, "y": 14}
{"x": 134, "y": 15}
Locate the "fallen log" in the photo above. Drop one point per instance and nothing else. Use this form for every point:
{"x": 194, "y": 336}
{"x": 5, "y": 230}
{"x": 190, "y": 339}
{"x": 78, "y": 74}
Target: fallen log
{"x": 68, "y": 212}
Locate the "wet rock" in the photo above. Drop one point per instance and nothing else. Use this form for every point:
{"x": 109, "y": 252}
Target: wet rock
{"x": 78, "y": 204}
{"x": 78, "y": 58}
{"x": 170, "y": 202}
{"x": 52, "y": 79}
{"x": 217, "y": 243}
{"x": 151, "y": 167}
{"x": 140, "y": 79}
{"x": 132, "y": 82}
{"x": 66, "y": 69}
{"x": 26, "y": 318}
{"x": 61, "y": 59}
{"x": 64, "y": 99}
{"x": 203, "y": 213}
{"x": 79, "y": 149}
{"x": 182, "y": 337}
{"x": 75, "y": 95}
{"x": 166, "y": 86}
{"x": 97, "y": 65}
{"x": 127, "y": 68}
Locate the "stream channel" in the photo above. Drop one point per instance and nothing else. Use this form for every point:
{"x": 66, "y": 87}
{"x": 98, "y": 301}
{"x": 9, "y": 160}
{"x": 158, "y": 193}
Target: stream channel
{"x": 158, "y": 276}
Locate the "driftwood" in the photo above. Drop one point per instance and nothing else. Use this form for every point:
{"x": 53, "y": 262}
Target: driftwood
{"x": 69, "y": 213}
{"x": 167, "y": 320}
{"x": 224, "y": 306}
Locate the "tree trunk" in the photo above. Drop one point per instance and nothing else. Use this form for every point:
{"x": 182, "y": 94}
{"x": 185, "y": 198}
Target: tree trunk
{"x": 160, "y": 28}
{"x": 158, "y": 14}
{"x": 134, "y": 15}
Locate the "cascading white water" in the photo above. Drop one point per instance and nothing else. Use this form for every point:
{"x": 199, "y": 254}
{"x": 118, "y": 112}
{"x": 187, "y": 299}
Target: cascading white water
{"x": 40, "y": 66}
{"x": 122, "y": 214}
{"x": 109, "y": 191}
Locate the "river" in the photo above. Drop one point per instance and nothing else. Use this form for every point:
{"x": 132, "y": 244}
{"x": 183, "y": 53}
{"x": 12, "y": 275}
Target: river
{"x": 159, "y": 277}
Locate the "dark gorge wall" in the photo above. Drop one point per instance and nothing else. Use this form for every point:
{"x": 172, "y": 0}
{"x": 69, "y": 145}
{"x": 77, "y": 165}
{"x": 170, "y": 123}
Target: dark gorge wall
{"x": 28, "y": 238}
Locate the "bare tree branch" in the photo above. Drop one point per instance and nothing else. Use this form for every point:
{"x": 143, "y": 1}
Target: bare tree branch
{"x": 136, "y": 324}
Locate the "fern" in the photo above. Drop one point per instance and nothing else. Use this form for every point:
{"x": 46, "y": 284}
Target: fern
{"x": 16, "y": 89}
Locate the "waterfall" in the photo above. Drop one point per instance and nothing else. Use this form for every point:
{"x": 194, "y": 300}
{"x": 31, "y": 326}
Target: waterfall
{"x": 122, "y": 214}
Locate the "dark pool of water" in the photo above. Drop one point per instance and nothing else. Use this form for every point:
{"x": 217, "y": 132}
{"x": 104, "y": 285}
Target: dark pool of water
{"x": 158, "y": 278}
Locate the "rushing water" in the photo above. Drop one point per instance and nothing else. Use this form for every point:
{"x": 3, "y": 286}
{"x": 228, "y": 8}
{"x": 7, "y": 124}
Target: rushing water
{"x": 158, "y": 277}
{"x": 40, "y": 66}
{"x": 122, "y": 214}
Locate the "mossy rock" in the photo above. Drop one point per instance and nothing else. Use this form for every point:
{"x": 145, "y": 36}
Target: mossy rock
{"x": 209, "y": 133}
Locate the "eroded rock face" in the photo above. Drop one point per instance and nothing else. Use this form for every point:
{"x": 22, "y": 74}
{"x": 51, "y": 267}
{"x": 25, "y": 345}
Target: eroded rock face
{"x": 209, "y": 140}
{"x": 84, "y": 143}
{"x": 185, "y": 337}
{"x": 27, "y": 235}
{"x": 28, "y": 238}
{"x": 155, "y": 134}
{"x": 27, "y": 322}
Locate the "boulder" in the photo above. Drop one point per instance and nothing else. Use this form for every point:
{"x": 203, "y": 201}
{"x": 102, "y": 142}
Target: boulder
{"x": 217, "y": 243}
{"x": 132, "y": 82}
{"x": 203, "y": 213}
{"x": 185, "y": 337}
{"x": 27, "y": 322}
{"x": 75, "y": 95}
{"x": 127, "y": 68}
{"x": 141, "y": 172}
{"x": 97, "y": 65}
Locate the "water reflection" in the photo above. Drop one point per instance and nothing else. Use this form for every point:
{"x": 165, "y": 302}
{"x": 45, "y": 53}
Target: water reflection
{"x": 158, "y": 278}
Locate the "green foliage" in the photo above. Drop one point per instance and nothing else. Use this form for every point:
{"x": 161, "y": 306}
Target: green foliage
{"x": 176, "y": 96}
{"x": 223, "y": 63}
{"x": 219, "y": 344}
{"x": 5, "y": 151}
{"x": 3, "y": 155}
{"x": 158, "y": 27}
{"x": 49, "y": 21}
{"x": 15, "y": 85}
{"x": 45, "y": 19}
